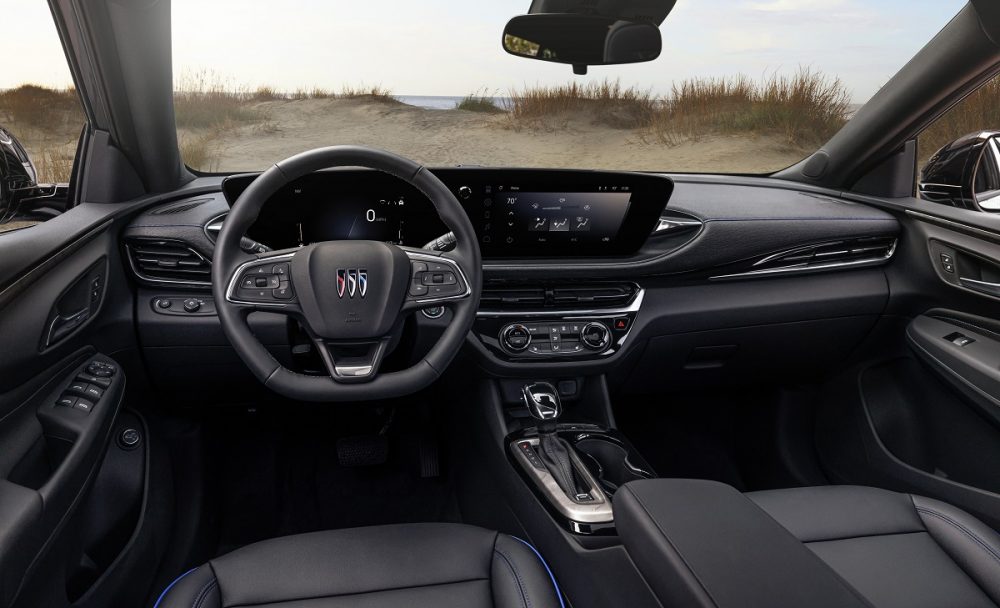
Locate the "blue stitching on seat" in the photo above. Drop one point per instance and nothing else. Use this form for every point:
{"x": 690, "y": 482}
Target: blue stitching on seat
{"x": 175, "y": 581}
{"x": 547, "y": 569}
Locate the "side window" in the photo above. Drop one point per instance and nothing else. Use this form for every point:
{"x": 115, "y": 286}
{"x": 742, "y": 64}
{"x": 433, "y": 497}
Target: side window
{"x": 959, "y": 153}
{"x": 40, "y": 119}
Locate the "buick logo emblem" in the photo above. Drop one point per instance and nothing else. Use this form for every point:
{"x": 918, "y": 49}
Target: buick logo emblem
{"x": 351, "y": 281}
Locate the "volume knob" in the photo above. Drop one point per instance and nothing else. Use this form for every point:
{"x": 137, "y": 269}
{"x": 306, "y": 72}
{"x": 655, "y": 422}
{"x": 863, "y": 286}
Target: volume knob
{"x": 595, "y": 336}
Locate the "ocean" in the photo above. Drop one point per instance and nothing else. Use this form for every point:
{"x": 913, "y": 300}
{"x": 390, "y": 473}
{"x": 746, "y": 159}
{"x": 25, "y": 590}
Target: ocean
{"x": 441, "y": 102}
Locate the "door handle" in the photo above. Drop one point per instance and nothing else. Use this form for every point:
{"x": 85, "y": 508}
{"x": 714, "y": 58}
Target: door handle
{"x": 63, "y": 324}
{"x": 986, "y": 287}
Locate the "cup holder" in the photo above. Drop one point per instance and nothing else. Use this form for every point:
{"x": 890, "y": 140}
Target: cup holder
{"x": 610, "y": 461}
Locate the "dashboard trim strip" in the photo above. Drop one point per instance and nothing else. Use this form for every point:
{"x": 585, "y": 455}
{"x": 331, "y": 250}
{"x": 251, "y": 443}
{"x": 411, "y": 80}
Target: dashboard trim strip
{"x": 633, "y": 307}
{"x": 806, "y": 269}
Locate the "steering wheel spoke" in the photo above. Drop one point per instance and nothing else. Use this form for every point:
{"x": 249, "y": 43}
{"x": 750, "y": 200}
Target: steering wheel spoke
{"x": 350, "y": 362}
{"x": 435, "y": 279}
{"x": 264, "y": 283}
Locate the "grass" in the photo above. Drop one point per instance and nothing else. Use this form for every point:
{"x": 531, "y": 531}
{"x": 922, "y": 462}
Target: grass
{"x": 805, "y": 109}
{"x": 480, "y": 102}
{"x": 34, "y": 106}
{"x": 54, "y": 165}
{"x": 979, "y": 111}
{"x": 607, "y": 102}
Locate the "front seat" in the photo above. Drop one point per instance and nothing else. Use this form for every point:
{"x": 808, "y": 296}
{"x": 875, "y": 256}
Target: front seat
{"x": 703, "y": 543}
{"x": 897, "y": 550}
{"x": 411, "y": 565}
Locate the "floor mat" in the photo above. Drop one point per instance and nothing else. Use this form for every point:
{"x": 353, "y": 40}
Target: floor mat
{"x": 280, "y": 475}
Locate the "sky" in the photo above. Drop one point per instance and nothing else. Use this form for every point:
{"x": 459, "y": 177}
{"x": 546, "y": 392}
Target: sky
{"x": 449, "y": 47}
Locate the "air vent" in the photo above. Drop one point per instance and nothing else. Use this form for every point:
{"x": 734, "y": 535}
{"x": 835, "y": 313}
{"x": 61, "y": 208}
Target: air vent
{"x": 170, "y": 262}
{"x": 512, "y": 297}
{"x": 557, "y": 297}
{"x": 597, "y": 295}
{"x": 831, "y": 255}
{"x": 180, "y": 207}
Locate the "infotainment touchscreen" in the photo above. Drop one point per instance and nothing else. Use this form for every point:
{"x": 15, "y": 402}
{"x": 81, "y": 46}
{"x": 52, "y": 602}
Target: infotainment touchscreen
{"x": 513, "y": 218}
{"x": 548, "y": 214}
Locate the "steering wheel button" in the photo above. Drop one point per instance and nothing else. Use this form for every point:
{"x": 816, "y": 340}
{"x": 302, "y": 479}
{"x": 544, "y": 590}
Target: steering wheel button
{"x": 417, "y": 288}
{"x": 418, "y": 267}
{"x": 282, "y": 293}
{"x": 280, "y": 269}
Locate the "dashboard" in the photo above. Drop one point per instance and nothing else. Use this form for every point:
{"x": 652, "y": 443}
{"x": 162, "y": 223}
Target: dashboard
{"x": 517, "y": 213}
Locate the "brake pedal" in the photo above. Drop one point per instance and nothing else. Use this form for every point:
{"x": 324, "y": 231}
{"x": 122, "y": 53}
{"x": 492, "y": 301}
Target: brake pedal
{"x": 362, "y": 450}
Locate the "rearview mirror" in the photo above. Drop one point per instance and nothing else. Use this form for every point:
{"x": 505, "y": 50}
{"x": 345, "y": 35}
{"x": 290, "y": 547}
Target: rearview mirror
{"x": 581, "y": 40}
{"x": 965, "y": 173}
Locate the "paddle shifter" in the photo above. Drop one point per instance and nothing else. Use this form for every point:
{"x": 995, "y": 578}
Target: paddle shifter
{"x": 542, "y": 401}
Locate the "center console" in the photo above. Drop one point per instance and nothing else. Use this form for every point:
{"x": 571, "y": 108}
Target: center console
{"x": 574, "y": 468}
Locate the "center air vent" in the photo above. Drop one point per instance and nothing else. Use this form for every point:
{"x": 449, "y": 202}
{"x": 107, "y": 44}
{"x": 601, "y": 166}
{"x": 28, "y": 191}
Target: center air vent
{"x": 584, "y": 296}
{"x": 170, "y": 262}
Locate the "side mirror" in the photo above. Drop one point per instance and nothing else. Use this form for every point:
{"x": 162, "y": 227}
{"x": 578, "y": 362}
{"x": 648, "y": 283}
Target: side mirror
{"x": 581, "y": 40}
{"x": 17, "y": 172}
{"x": 965, "y": 173}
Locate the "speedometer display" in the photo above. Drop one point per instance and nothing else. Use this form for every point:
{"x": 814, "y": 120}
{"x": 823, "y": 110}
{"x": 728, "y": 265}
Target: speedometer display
{"x": 359, "y": 217}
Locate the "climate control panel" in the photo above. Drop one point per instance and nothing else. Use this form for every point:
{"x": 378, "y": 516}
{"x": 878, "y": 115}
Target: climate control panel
{"x": 555, "y": 337}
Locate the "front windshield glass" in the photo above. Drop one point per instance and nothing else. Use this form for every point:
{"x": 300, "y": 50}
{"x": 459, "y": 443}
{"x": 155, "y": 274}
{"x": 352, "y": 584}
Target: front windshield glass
{"x": 741, "y": 86}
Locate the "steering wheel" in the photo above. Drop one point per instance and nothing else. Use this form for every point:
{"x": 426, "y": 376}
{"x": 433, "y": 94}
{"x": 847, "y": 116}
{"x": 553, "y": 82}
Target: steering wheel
{"x": 351, "y": 296}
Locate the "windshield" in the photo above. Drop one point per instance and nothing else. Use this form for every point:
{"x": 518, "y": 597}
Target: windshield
{"x": 741, "y": 86}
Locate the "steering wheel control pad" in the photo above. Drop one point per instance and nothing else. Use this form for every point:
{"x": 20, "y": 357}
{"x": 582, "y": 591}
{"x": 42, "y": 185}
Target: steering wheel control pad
{"x": 434, "y": 279}
{"x": 351, "y": 290}
{"x": 266, "y": 281}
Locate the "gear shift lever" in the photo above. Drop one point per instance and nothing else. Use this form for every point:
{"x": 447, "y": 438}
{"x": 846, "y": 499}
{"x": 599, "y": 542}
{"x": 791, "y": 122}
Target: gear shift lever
{"x": 544, "y": 405}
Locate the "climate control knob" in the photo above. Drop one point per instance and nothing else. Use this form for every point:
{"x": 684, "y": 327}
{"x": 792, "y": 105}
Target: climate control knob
{"x": 595, "y": 336}
{"x": 515, "y": 337}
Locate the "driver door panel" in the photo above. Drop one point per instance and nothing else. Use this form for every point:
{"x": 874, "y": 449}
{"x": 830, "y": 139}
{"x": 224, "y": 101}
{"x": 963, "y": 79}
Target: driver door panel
{"x": 58, "y": 314}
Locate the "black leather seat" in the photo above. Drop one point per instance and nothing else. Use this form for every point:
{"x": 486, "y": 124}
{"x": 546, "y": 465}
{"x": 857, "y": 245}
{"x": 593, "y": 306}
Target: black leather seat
{"x": 412, "y": 565}
{"x": 702, "y": 543}
{"x": 895, "y": 549}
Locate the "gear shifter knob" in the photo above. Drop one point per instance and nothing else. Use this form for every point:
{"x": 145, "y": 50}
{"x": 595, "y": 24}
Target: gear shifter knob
{"x": 542, "y": 401}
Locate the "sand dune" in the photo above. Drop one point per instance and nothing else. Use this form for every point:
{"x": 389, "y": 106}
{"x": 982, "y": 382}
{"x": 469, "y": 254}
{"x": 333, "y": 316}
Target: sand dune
{"x": 452, "y": 137}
